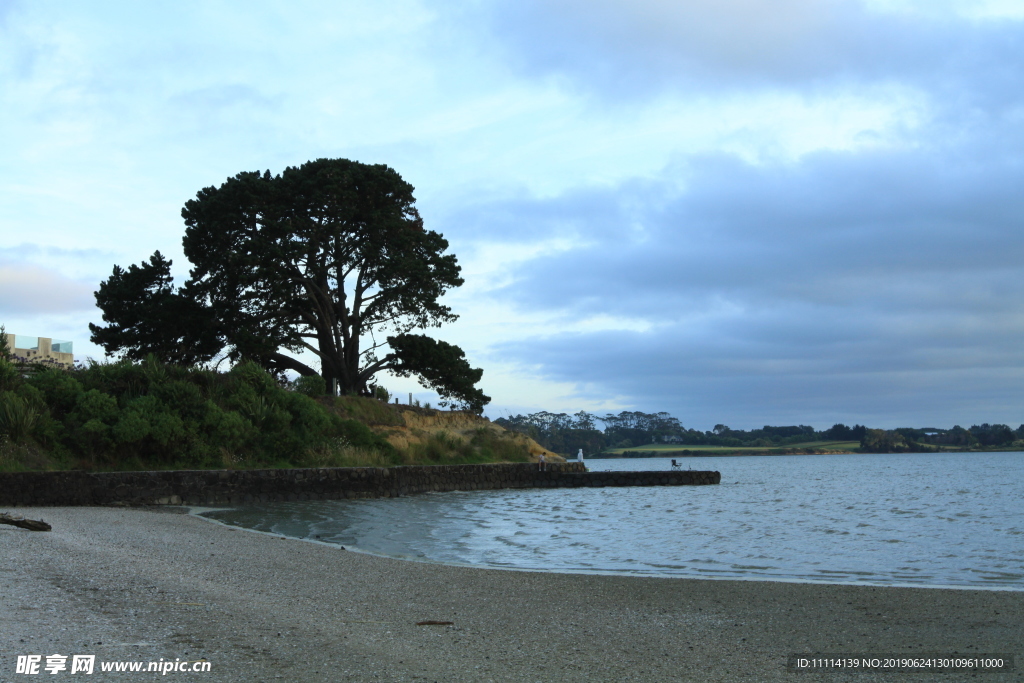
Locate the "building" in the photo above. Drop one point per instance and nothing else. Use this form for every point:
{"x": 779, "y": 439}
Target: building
{"x": 41, "y": 350}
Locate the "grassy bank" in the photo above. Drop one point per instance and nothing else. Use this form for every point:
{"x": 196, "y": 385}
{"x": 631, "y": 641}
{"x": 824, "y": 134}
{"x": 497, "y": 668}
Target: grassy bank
{"x": 145, "y": 416}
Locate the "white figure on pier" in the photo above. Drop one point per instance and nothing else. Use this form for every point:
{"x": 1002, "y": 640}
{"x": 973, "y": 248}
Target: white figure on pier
{"x": 579, "y": 456}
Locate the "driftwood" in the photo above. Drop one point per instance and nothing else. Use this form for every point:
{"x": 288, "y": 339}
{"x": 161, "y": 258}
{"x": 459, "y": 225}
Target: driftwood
{"x": 30, "y": 524}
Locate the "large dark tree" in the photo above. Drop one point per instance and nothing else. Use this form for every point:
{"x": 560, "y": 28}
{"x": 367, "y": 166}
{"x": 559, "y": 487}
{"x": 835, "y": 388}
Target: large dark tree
{"x": 147, "y": 315}
{"x": 330, "y": 257}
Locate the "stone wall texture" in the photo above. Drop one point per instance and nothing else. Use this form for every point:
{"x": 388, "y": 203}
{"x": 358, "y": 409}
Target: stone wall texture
{"x": 220, "y": 487}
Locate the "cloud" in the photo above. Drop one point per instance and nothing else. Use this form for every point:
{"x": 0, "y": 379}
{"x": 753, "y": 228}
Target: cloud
{"x": 881, "y": 285}
{"x": 85, "y": 265}
{"x": 833, "y": 228}
{"x": 622, "y": 48}
{"x": 223, "y": 96}
{"x": 29, "y": 291}
{"x": 747, "y": 382}
{"x": 786, "y": 211}
{"x": 31, "y": 251}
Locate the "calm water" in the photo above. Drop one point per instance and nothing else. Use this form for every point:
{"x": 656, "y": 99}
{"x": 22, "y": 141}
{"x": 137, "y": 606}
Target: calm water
{"x": 941, "y": 520}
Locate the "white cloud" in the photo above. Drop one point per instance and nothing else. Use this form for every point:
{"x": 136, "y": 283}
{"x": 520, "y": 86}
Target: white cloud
{"x": 711, "y": 177}
{"x": 627, "y": 51}
{"x": 27, "y": 291}
{"x": 971, "y": 9}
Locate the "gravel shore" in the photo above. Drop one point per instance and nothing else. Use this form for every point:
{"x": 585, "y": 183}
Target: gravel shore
{"x": 141, "y": 584}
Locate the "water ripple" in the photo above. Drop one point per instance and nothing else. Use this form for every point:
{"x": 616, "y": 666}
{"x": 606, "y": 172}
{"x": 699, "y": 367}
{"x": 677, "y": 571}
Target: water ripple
{"x": 803, "y": 518}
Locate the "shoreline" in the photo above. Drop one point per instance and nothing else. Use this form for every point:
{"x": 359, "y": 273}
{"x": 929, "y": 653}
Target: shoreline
{"x": 198, "y": 513}
{"x": 726, "y": 454}
{"x": 141, "y": 584}
{"x": 684, "y": 453}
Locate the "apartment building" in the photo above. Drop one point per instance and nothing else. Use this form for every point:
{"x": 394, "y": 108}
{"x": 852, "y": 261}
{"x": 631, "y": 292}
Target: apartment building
{"x": 41, "y": 350}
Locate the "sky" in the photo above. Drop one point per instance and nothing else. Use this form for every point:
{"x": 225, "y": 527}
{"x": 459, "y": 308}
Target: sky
{"x": 745, "y": 212}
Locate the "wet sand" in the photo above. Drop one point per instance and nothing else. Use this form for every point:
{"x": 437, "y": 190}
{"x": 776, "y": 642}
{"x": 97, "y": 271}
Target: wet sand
{"x": 140, "y": 585}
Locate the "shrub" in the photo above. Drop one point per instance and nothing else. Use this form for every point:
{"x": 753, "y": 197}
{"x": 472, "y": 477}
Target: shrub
{"x": 357, "y": 434}
{"x": 182, "y": 398}
{"x": 94, "y": 405}
{"x": 10, "y": 377}
{"x": 227, "y": 430}
{"x": 131, "y": 428}
{"x": 117, "y": 379}
{"x": 166, "y": 429}
{"x": 310, "y": 385}
{"x": 17, "y": 417}
{"x": 5, "y": 349}
{"x": 254, "y": 376}
{"x": 60, "y": 389}
{"x": 151, "y": 415}
{"x": 263, "y": 412}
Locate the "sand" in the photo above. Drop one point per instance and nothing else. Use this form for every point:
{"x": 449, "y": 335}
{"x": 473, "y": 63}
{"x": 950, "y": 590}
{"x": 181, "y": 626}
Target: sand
{"x": 141, "y": 584}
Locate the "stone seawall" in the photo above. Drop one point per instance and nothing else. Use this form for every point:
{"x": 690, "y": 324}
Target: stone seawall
{"x": 220, "y": 487}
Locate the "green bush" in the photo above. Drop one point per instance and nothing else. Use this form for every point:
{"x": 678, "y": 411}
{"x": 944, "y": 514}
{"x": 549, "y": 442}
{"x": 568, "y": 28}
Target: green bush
{"x": 227, "y": 429}
{"x": 254, "y": 376}
{"x": 94, "y": 405}
{"x": 131, "y": 428}
{"x": 18, "y": 418}
{"x": 357, "y": 434}
{"x": 60, "y": 389}
{"x": 310, "y": 385}
{"x": 9, "y": 375}
{"x": 126, "y": 415}
{"x": 5, "y": 350}
{"x": 183, "y": 398}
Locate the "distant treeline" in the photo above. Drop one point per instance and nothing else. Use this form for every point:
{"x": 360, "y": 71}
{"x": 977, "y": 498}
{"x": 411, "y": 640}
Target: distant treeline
{"x": 908, "y": 439}
{"x": 566, "y": 434}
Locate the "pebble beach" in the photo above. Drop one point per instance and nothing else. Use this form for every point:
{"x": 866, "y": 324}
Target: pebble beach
{"x": 141, "y": 584}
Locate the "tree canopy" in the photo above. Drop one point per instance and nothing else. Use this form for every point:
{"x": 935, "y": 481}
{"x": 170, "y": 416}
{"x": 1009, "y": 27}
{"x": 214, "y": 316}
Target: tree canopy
{"x": 330, "y": 257}
{"x": 147, "y": 315}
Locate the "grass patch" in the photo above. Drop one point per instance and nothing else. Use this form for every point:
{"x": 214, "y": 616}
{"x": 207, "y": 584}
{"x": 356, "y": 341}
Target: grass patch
{"x": 485, "y": 445}
{"x": 369, "y": 411}
{"x": 22, "y": 456}
{"x": 342, "y": 454}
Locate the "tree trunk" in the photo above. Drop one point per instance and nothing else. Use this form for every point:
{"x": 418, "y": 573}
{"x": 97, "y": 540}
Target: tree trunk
{"x": 30, "y": 524}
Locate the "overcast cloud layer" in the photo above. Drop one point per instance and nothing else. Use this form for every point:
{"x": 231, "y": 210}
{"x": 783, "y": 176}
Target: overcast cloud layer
{"x": 737, "y": 211}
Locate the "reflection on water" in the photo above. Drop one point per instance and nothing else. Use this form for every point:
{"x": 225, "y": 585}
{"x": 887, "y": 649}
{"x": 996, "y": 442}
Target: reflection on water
{"x": 949, "y": 519}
